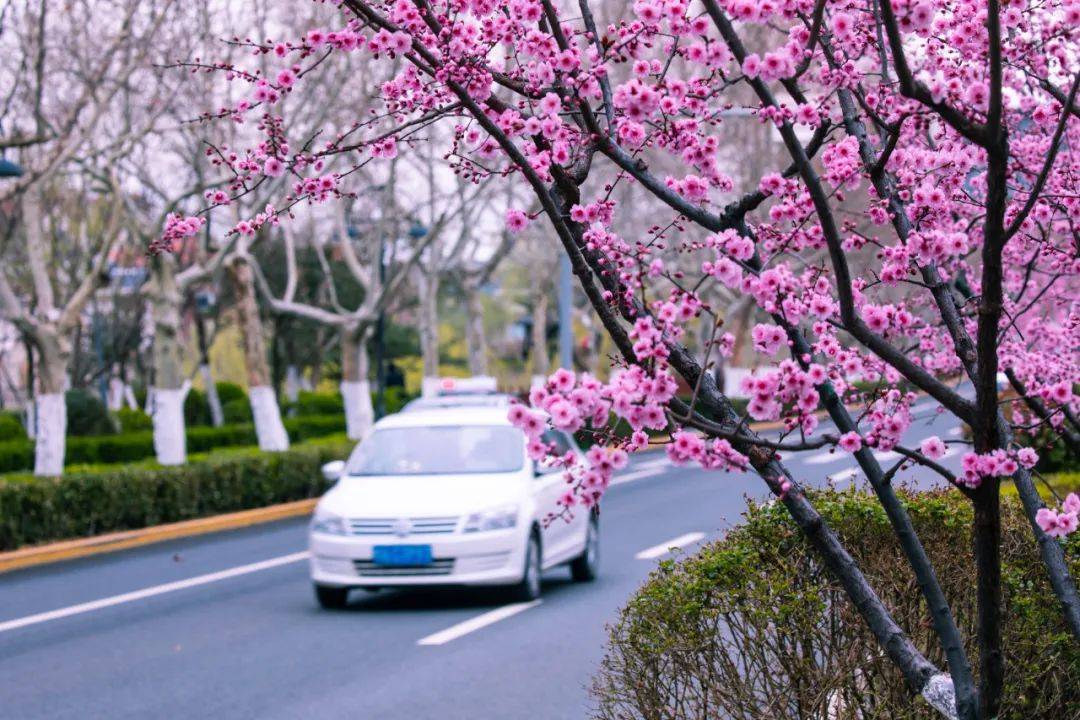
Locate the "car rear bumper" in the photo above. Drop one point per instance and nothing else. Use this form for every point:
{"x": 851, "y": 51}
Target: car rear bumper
{"x": 491, "y": 558}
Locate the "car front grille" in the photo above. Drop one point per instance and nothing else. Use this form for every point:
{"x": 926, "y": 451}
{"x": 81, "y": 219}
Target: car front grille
{"x": 394, "y": 526}
{"x": 368, "y": 568}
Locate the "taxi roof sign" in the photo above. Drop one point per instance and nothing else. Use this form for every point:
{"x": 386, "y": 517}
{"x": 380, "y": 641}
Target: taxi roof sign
{"x": 478, "y": 385}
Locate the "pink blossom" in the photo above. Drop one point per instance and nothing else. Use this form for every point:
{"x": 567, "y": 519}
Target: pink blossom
{"x": 850, "y": 442}
{"x": 516, "y": 220}
{"x": 933, "y": 447}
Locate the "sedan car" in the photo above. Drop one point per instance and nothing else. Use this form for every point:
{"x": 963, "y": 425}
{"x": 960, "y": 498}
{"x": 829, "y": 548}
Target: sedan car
{"x": 447, "y": 497}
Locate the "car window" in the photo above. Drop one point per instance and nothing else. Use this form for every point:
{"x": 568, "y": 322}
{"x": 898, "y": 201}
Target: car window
{"x": 559, "y": 439}
{"x": 439, "y": 450}
{"x": 560, "y": 446}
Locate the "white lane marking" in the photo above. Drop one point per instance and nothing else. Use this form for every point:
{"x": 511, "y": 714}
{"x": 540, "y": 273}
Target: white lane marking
{"x": 151, "y": 591}
{"x": 886, "y": 456}
{"x": 480, "y": 621}
{"x": 665, "y": 547}
{"x": 824, "y": 457}
{"x": 845, "y": 474}
{"x": 638, "y": 475}
{"x": 957, "y": 431}
{"x": 650, "y": 464}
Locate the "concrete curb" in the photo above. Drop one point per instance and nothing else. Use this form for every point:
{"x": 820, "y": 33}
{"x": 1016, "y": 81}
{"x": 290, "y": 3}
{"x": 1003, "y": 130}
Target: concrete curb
{"x": 83, "y": 547}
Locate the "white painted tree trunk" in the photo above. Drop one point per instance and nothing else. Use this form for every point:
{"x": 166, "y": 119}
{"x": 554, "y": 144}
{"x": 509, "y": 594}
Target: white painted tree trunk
{"x": 292, "y": 383}
{"x": 30, "y": 419}
{"x": 359, "y": 414}
{"x": 264, "y": 406}
{"x": 116, "y": 393}
{"x": 355, "y": 390}
{"x": 217, "y": 415}
{"x": 165, "y": 399}
{"x": 269, "y": 429}
{"x": 51, "y": 427}
{"x": 170, "y": 440}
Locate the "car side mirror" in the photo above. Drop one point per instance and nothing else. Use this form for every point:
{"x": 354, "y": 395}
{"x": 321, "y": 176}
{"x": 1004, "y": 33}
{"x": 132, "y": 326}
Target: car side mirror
{"x": 333, "y": 470}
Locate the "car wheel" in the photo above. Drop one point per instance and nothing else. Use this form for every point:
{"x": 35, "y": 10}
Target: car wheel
{"x": 529, "y": 587}
{"x": 586, "y": 566}
{"x": 331, "y": 598}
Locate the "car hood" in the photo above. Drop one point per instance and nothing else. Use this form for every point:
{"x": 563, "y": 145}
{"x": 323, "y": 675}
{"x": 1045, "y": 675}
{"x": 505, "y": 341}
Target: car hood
{"x": 420, "y": 495}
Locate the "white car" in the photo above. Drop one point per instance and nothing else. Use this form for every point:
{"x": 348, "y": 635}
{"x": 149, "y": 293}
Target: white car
{"x": 446, "y": 497}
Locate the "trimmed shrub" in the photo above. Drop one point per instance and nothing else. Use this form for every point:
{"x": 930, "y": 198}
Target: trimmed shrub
{"x": 86, "y": 414}
{"x": 228, "y": 392}
{"x": 133, "y": 420}
{"x": 196, "y": 408}
{"x": 237, "y": 411}
{"x": 11, "y": 427}
{"x": 18, "y": 455}
{"x": 313, "y": 403}
{"x": 94, "y": 501}
{"x": 752, "y": 626}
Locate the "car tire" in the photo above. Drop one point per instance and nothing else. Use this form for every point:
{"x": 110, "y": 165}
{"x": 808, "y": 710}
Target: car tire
{"x": 332, "y": 598}
{"x": 586, "y": 566}
{"x": 529, "y": 588}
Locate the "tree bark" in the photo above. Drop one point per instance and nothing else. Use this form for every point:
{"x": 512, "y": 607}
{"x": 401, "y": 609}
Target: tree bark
{"x": 264, "y": 406}
{"x": 50, "y": 410}
{"x": 355, "y": 390}
{"x": 475, "y": 340}
{"x": 169, "y": 391}
{"x": 429, "y": 323}
{"x": 217, "y": 415}
{"x": 541, "y": 363}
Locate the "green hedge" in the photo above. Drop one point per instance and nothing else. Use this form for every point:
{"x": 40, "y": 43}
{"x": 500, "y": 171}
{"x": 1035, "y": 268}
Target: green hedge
{"x": 753, "y": 627}
{"x": 11, "y": 427}
{"x": 81, "y": 504}
{"x": 18, "y": 455}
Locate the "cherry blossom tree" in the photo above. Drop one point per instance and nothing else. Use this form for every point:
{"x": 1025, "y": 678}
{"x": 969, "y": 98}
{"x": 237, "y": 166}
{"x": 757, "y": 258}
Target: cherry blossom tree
{"x": 68, "y": 114}
{"x": 929, "y": 144}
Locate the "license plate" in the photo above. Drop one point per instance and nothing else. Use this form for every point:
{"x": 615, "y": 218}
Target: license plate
{"x": 402, "y": 555}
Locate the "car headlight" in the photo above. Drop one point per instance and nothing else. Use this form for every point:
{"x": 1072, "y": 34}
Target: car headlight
{"x": 498, "y": 518}
{"x": 328, "y": 524}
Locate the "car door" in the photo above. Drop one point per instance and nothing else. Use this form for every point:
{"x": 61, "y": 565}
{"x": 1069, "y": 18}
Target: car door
{"x": 559, "y": 535}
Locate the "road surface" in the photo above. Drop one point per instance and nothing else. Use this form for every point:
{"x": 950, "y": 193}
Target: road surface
{"x": 225, "y": 625}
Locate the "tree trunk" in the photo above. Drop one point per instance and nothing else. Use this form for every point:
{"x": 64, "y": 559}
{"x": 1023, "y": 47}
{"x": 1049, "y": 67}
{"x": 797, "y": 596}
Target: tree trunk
{"x": 429, "y": 323}
{"x": 217, "y": 415}
{"x": 169, "y": 391}
{"x": 269, "y": 429}
{"x": 475, "y": 340}
{"x": 540, "y": 361}
{"x": 355, "y": 390}
{"x": 50, "y": 411}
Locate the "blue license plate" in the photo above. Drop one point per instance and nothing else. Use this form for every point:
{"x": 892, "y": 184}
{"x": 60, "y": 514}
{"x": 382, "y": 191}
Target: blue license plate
{"x": 402, "y": 555}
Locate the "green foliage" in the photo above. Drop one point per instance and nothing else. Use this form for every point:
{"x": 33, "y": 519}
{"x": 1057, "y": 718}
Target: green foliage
{"x": 315, "y": 403}
{"x": 11, "y": 427}
{"x": 18, "y": 455}
{"x": 229, "y": 392}
{"x": 133, "y": 420}
{"x": 237, "y": 410}
{"x": 753, "y": 627}
{"x": 95, "y": 501}
{"x": 86, "y": 414}
{"x": 196, "y": 408}
{"x": 395, "y": 397}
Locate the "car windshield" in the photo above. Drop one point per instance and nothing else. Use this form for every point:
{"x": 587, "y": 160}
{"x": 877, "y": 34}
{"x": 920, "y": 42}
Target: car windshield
{"x": 439, "y": 450}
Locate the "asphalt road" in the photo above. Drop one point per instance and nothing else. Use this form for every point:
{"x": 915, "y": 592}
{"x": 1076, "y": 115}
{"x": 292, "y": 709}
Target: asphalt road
{"x": 225, "y": 625}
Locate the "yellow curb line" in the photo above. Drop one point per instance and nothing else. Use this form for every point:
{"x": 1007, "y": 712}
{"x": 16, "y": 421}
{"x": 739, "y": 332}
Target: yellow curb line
{"x": 71, "y": 549}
